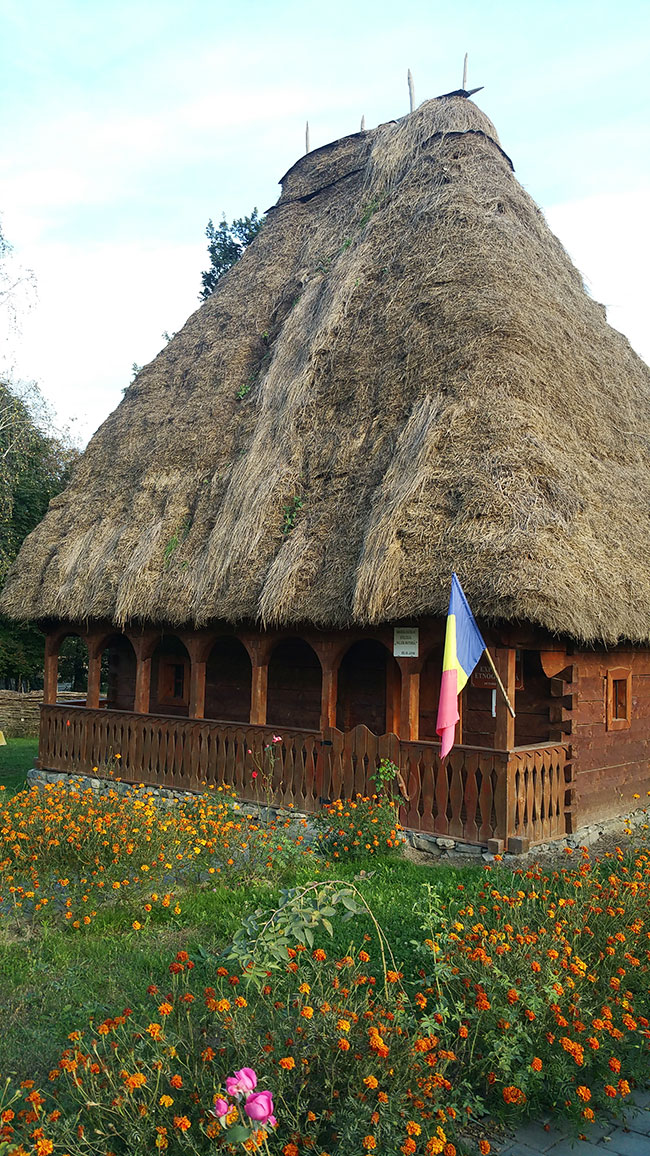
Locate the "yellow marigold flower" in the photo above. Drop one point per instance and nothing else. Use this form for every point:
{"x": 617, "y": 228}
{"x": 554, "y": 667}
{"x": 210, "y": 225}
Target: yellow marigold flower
{"x": 307, "y": 1012}
{"x": 166, "y": 1101}
{"x": 343, "y": 1025}
{"x": 369, "y": 1143}
{"x": 370, "y": 1081}
{"x": 412, "y": 1128}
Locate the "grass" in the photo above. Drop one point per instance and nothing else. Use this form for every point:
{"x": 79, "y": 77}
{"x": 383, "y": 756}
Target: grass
{"x": 55, "y": 980}
{"x": 16, "y": 759}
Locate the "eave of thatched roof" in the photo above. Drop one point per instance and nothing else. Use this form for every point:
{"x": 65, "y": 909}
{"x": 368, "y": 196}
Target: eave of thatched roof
{"x": 402, "y": 376}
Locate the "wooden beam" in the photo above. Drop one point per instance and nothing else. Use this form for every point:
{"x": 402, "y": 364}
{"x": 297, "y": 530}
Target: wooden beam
{"x": 51, "y": 670}
{"x": 504, "y": 739}
{"x": 259, "y": 693}
{"x": 142, "y": 684}
{"x": 409, "y": 722}
{"x": 197, "y": 688}
{"x": 94, "y": 679}
{"x": 329, "y": 691}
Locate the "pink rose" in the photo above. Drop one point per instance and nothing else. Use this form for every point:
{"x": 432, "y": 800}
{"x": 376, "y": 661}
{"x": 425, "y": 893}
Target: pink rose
{"x": 254, "y": 775}
{"x": 259, "y": 1107}
{"x": 245, "y": 1080}
{"x": 276, "y": 739}
{"x": 221, "y": 1108}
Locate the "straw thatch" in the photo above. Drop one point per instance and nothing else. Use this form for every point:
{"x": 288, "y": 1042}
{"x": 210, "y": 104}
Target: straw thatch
{"x": 402, "y": 376}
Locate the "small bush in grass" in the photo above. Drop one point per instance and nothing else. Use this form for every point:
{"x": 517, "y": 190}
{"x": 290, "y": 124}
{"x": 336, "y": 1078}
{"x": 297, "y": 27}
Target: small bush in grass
{"x": 359, "y": 827}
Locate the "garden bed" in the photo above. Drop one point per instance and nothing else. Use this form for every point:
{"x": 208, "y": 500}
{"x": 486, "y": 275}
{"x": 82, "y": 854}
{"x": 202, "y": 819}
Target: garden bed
{"x": 150, "y": 954}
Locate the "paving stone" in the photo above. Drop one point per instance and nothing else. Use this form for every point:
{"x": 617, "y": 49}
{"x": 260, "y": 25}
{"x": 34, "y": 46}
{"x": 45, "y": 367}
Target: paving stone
{"x": 586, "y": 1148}
{"x": 641, "y": 1097}
{"x": 536, "y": 1136}
{"x": 517, "y": 1149}
{"x": 639, "y": 1121}
{"x": 628, "y": 1143}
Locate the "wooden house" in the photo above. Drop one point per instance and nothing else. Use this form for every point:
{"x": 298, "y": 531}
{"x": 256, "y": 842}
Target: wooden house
{"x": 402, "y": 376}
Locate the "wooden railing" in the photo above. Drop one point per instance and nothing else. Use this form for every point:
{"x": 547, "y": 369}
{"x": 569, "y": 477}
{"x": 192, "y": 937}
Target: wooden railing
{"x": 538, "y": 785}
{"x": 475, "y": 795}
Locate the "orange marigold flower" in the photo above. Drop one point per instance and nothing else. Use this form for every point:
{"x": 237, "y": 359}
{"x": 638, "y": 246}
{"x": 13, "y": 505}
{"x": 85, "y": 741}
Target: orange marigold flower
{"x": 182, "y": 1123}
{"x": 614, "y": 1064}
{"x": 319, "y": 954}
{"x": 371, "y": 1081}
{"x": 307, "y": 1012}
{"x": 165, "y": 1009}
{"x": 484, "y": 1147}
{"x": 583, "y": 1093}
{"x": 412, "y": 1128}
{"x": 610, "y": 1091}
{"x": 288, "y": 1063}
{"x": 408, "y": 1147}
{"x": 623, "y": 1087}
{"x": 382, "y": 1097}
{"x": 135, "y": 1081}
{"x": 369, "y": 1143}
{"x": 343, "y": 1045}
{"x": 363, "y": 956}
{"x": 207, "y": 1055}
{"x": 44, "y": 1147}
{"x": 393, "y": 976}
{"x": 512, "y": 996}
{"x": 176, "y": 1081}
{"x": 514, "y": 1095}
{"x": 536, "y": 1064}
{"x": 290, "y": 1150}
{"x": 155, "y": 1031}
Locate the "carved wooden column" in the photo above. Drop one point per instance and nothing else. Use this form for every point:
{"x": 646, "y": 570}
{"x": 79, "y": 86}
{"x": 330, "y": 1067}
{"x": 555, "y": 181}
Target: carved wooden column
{"x": 198, "y": 647}
{"x": 329, "y": 654}
{"x": 51, "y": 668}
{"x": 504, "y": 660}
{"x": 259, "y": 650}
{"x": 409, "y": 725}
{"x": 95, "y": 650}
{"x": 144, "y": 646}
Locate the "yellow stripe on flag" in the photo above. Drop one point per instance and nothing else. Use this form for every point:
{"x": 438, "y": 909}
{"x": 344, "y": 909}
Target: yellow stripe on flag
{"x": 450, "y": 657}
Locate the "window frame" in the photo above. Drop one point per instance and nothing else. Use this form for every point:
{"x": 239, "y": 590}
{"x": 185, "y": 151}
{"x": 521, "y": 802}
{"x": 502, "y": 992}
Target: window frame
{"x": 618, "y": 674}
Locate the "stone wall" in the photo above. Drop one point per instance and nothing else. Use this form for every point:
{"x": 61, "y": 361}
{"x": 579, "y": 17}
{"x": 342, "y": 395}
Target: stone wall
{"x": 20, "y": 713}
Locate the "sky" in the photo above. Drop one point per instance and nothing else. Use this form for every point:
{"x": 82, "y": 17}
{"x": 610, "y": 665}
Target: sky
{"x": 126, "y": 124}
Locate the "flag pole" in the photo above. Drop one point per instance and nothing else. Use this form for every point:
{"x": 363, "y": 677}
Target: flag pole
{"x": 500, "y": 684}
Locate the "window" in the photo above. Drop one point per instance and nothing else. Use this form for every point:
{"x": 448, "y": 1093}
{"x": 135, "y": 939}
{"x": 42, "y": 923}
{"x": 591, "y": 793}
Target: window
{"x": 173, "y": 681}
{"x": 618, "y": 685}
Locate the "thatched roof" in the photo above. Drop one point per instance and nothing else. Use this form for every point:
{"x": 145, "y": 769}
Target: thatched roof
{"x": 402, "y": 376}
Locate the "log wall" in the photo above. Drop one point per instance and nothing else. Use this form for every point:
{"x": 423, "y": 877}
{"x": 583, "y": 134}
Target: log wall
{"x": 610, "y": 766}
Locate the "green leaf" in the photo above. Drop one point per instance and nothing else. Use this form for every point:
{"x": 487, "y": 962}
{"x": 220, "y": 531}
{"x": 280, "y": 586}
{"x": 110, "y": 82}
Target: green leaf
{"x": 237, "y": 1134}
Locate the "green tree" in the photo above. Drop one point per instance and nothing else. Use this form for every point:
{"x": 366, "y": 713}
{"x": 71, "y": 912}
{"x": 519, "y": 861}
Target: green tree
{"x": 226, "y": 243}
{"x": 35, "y": 464}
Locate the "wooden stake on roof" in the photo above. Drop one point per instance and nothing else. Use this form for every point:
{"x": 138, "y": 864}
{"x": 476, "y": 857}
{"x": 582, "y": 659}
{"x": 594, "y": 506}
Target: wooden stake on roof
{"x": 363, "y": 124}
{"x": 306, "y": 136}
{"x": 411, "y": 91}
{"x": 465, "y": 72}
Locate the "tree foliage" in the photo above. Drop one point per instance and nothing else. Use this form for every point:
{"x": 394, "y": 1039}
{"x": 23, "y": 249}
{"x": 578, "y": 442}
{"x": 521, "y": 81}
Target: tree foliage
{"x": 226, "y": 243}
{"x": 34, "y": 466}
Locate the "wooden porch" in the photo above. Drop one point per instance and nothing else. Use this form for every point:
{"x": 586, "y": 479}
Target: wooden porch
{"x": 478, "y": 795}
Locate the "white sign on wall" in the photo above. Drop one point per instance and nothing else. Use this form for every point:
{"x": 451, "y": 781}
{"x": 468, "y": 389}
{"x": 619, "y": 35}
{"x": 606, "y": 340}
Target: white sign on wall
{"x": 406, "y": 642}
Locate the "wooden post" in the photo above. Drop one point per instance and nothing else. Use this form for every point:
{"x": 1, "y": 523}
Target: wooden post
{"x": 504, "y": 739}
{"x": 465, "y": 72}
{"x": 306, "y": 137}
{"x": 94, "y": 678}
{"x": 409, "y": 726}
{"x": 329, "y": 688}
{"x": 142, "y": 685}
{"x": 51, "y": 670}
{"x": 411, "y": 91}
{"x": 259, "y": 691}
{"x": 197, "y": 688}
{"x": 393, "y": 696}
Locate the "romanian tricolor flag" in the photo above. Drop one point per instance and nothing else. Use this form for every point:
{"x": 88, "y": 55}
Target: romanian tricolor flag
{"x": 463, "y": 648}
